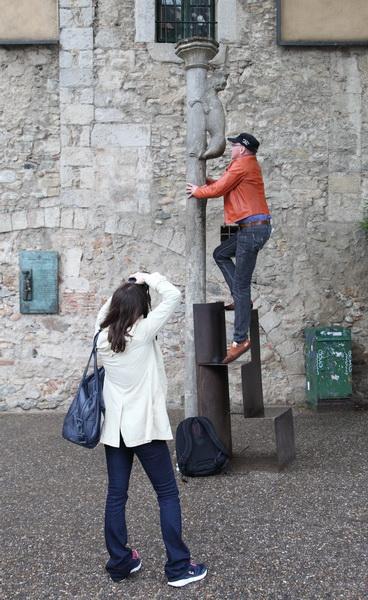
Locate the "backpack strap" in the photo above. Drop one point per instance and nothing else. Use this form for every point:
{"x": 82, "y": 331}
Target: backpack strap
{"x": 208, "y": 426}
{"x": 186, "y": 425}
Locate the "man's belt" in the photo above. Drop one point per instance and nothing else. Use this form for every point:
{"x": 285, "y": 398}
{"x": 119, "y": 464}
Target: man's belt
{"x": 263, "y": 222}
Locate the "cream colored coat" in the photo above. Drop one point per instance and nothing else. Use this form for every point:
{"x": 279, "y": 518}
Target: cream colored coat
{"x": 135, "y": 381}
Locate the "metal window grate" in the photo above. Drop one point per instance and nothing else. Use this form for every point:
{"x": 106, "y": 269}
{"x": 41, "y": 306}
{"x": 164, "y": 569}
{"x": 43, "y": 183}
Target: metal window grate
{"x": 179, "y": 19}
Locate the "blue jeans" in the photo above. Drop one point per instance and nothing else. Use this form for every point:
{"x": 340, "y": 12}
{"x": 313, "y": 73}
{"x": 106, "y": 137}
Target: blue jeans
{"x": 156, "y": 461}
{"x": 244, "y": 245}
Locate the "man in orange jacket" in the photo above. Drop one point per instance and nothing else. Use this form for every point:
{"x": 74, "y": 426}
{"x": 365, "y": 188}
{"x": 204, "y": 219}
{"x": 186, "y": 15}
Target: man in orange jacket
{"x": 245, "y": 205}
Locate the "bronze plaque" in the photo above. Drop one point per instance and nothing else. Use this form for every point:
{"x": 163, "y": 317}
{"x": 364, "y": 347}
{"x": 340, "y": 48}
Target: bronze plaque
{"x": 322, "y": 22}
{"x": 38, "y": 281}
{"x": 29, "y": 21}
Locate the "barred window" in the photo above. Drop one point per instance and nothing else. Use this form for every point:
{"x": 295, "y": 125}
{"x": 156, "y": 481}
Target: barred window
{"x": 179, "y": 19}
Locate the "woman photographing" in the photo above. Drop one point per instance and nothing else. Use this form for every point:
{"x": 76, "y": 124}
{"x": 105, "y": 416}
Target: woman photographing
{"x": 136, "y": 422}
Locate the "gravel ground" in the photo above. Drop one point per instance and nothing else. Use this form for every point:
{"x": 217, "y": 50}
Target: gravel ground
{"x": 299, "y": 534}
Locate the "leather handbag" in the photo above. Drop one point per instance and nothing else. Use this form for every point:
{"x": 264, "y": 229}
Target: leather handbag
{"x": 82, "y": 423}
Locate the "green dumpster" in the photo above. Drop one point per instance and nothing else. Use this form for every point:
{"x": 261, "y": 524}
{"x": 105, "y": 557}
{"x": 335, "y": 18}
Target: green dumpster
{"x": 328, "y": 363}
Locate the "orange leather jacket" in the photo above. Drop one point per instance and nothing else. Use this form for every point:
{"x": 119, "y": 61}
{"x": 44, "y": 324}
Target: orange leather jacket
{"x": 242, "y": 188}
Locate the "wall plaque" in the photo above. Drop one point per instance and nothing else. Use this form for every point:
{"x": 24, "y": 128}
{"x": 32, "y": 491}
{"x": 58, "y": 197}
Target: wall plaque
{"x": 29, "y": 22}
{"x": 322, "y": 22}
{"x": 38, "y": 282}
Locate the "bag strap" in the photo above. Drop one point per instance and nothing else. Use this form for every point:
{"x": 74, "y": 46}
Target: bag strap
{"x": 186, "y": 424}
{"x": 208, "y": 426}
{"x": 94, "y": 354}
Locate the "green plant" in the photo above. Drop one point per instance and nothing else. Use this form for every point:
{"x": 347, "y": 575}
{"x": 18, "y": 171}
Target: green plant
{"x": 364, "y": 222}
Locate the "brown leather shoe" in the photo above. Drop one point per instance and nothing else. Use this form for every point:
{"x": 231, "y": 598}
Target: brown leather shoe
{"x": 232, "y": 306}
{"x": 233, "y": 352}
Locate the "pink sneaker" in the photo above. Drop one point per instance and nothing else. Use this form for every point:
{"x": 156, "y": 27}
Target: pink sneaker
{"x": 135, "y": 564}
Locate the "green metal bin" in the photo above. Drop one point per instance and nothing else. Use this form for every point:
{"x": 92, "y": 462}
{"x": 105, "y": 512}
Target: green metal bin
{"x": 328, "y": 363}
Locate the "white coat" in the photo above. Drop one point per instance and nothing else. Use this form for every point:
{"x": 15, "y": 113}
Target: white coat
{"x": 135, "y": 384}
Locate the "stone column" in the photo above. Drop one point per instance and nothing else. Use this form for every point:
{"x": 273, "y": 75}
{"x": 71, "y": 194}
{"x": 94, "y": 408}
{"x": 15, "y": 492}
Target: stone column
{"x": 196, "y": 54}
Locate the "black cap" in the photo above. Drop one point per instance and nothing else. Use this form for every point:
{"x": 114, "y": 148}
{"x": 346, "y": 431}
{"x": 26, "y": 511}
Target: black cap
{"x": 247, "y": 140}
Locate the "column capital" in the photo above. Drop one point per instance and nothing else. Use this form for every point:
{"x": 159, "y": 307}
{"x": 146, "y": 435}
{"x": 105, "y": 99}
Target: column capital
{"x": 196, "y": 52}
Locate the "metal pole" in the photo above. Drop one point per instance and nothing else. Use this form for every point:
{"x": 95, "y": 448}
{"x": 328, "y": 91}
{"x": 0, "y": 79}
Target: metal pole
{"x": 196, "y": 54}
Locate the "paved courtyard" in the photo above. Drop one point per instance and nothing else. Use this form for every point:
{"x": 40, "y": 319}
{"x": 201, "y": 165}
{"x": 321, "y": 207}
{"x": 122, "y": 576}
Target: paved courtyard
{"x": 299, "y": 534}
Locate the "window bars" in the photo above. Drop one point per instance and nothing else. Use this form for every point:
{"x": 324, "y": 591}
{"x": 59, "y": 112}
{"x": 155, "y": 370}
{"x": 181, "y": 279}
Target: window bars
{"x": 180, "y": 19}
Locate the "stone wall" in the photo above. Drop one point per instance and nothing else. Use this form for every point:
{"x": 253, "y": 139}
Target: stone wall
{"x": 93, "y": 166}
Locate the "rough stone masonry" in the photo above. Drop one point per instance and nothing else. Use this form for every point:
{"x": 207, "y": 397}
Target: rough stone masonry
{"x": 92, "y": 165}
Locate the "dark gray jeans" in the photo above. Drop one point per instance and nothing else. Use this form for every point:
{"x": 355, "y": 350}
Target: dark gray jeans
{"x": 244, "y": 245}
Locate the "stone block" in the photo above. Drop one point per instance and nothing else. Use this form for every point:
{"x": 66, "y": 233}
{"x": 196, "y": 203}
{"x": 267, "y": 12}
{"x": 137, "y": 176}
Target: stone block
{"x": 75, "y": 136}
{"x": 77, "y": 114}
{"x": 47, "y": 147}
{"x": 177, "y": 243}
{"x": 36, "y": 218}
{"x": 75, "y": 4}
{"x": 85, "y": 96}
{"x": 339, "y": 139}
{"x": 87, "y": 178}
{"x": 9, "y": 197}
{"x": 145, "y": 21}
{"x": 75, "y": 197}
{"x": 269, "y": 321}
{"x": 76, "y": 284}
{"x": 144, "y": 176}
{"x": 221, "y": 56}
{"x": 76, "y": 96}
{"x": 119, "y": 224}
{"x": 76, "y": 77}
{"x": 52, "y": 350}
{"x": 76, "y": 157}
{"x": 85, "y": 136}
{"x": 295, "y": 363}
{"x": 80, "y": 218}
{"x": 16, "y": 68}
{"x": 85, "y": 59}
{"x": 52, "y": 216}
{"x": 76, "y": 38}
{"x": 7, "y": 176}
{"x": 109, "y": 115}
{"x": 114, "y": 191}
{"x": 66, "y": 176}
{"x": 342, "y": 162}
{"x": 124, "y": 135}
{"x": 340, "y": 183}
{"x": 38, "y": 57}
{"x": 19, "y": 220}
{"x": 227, "y": 21}
{"x": 69, "y": 18}
{"x": 72, "y": 261}
{"x": 67, "y": 215}
{"x": 163, "y": 53}
{"x": 66, "y": 60}
{"x": 109, "y": 38}
{"x": 344, "y": 208}
{"x": 5, "y": 223}
{"x": 163, "y": 236}
{"x": 286, "y": 348}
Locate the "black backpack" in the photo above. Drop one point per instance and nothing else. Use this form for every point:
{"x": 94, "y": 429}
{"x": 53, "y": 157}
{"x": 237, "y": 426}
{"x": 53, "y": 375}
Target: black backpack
{"x": 198, "y": 449}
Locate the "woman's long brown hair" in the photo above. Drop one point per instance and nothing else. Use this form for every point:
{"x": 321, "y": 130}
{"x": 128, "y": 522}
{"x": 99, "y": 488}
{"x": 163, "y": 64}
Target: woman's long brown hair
{"x": 129, "y": 302}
